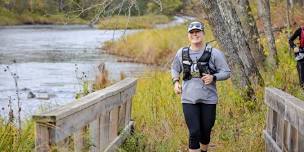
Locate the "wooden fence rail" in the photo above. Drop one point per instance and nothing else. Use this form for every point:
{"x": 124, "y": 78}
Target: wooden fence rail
{"x": 285, "y": 122}
{"x": 100, "y": 120}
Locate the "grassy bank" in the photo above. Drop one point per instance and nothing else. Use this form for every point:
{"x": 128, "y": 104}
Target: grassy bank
{"x": 11, "y": 18}
{"x": 132, "y": 22}
{"x": 153, "y": 46}
{"x": 160, "y": 124}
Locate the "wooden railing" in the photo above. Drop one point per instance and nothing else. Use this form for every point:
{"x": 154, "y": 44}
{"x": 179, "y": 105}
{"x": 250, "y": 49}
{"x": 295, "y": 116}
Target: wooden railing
{"x": 285, "y": 122}
{"x": 103, "y": 116}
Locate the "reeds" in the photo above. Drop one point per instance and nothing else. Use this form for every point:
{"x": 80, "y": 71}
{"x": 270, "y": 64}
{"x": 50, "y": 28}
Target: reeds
{"x": 102, "y": 79}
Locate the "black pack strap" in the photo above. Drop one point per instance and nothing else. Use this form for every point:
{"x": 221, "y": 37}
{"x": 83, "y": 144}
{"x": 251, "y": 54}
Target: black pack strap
{"x": 185, "y": 54}
{"x": 187, "y": 62}
{"x": 206, "y": 55}
{"x": 203, "y": 62}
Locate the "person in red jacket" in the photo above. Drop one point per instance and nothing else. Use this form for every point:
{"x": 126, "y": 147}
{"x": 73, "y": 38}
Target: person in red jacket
{"x": 299, "y": 52}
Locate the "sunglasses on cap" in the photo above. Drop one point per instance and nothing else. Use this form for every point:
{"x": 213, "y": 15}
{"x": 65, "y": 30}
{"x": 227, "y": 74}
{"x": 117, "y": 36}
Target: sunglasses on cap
{"x": 195, "y": 26}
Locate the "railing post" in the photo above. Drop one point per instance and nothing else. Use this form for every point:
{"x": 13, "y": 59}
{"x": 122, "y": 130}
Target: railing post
{"x": 42, "y": 141}
{"x": 79, "y": 140}
{"x": 95, "y": 135}
{"x": 128, "y": 112}
{"x": 122, "y": 115}
{"x": 280, "y": 131}
{"x": 113, "y": 123}
{"x": 104, "y": 130}
{"x": 63, "y": 145}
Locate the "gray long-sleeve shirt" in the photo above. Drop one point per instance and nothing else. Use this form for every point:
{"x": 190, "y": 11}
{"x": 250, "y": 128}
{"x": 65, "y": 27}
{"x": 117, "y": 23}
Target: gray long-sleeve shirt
{"x": 194, "y": 90}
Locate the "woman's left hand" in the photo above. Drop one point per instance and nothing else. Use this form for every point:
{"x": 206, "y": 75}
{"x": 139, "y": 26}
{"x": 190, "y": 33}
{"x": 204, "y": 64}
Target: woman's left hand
{"x": 207, "y": 78}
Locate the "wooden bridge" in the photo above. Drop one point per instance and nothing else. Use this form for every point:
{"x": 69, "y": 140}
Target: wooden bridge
{"x": 105, "y": 117}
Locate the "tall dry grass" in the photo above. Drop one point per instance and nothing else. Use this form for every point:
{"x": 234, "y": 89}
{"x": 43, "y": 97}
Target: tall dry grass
{"x": 154, "y": 46}
{"x": 132, "y": 22}
{"x": 102, "y": 79}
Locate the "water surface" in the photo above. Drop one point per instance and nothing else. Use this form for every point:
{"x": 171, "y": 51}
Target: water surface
{"x": 53, "y": 60}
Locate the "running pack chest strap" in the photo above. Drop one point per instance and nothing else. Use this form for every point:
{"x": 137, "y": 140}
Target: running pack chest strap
{"x": 202, "y": 63}
{"x": 187, "y": 62}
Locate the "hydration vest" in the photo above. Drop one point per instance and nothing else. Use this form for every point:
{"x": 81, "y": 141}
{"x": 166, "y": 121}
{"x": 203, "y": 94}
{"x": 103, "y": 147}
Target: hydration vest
{"x": 301, "y": 38}
{"x": 202, "y": 63}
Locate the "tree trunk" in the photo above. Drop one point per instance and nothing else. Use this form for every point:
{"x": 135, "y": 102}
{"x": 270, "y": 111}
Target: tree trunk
{"x": 50, "y": 7}
{"x": 223, "y": 34}
{"x": 30, "y": 5}
{"x": 11, "y": 5}
{"x": 238, "y": 37}
{"x": 21, "y": 6}
{"x": 299, "y": 2}
{"x": 290, "y": 2}
{"x": 248, "y": 23}
{"x": 288, "y": 5}
{"x": 272, "y": 58}
{"x": 60, "y": 5}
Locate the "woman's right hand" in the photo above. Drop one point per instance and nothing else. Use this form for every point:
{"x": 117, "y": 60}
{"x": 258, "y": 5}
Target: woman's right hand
{"x": 177, "y": 88}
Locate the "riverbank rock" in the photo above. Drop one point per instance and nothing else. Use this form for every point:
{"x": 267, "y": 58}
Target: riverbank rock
{"x": 31, "y": 95}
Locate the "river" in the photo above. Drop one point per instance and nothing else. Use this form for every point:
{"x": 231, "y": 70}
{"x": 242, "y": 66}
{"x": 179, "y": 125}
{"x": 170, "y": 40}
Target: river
{"x": 50, "y": 59}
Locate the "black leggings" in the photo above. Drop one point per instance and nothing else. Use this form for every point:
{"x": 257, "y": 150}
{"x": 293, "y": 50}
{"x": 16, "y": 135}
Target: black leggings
{"x": 300, "y": 68}
{"x": 200, "y": 119}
